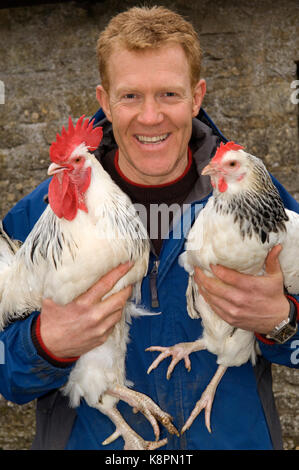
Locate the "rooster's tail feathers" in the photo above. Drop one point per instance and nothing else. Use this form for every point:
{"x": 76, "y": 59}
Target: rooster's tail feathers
{"x": 8, "y": 249}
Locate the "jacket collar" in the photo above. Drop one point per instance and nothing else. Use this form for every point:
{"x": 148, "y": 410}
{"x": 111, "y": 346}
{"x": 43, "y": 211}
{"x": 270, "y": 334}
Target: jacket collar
{"x": 203, "y": 143}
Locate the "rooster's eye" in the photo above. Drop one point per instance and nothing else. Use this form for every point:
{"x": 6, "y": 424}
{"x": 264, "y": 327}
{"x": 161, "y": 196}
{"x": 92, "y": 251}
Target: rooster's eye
{"x": 78, "y": 159}
{"x": 232, "y": 163}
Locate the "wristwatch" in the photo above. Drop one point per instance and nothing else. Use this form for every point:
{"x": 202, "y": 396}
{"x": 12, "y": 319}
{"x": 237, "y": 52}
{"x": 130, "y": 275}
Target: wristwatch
{"x": 287, "y": 328}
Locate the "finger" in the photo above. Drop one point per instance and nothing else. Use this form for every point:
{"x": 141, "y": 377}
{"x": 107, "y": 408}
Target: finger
{"x": 209, "y": 286}
{"x": 272, "y": 265}
{"x": 104, "y": 284}
{"x": 225, "y": 309}
{"x": 112, "y": 304}
{"x": 231, "y": 277}
{"x": 106, "y": 328}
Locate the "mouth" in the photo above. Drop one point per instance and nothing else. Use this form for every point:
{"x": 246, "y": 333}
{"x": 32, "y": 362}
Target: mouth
{"x": 151, "y": 140}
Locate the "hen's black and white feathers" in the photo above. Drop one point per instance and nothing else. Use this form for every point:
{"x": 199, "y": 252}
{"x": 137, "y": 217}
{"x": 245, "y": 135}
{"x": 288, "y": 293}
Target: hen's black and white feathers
{"x": 257, "y": 210}
{"x": 237, "y": 228}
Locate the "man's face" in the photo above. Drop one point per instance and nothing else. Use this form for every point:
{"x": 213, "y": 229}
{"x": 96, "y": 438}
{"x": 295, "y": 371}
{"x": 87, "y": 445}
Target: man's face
{"x": 151, "y": 104}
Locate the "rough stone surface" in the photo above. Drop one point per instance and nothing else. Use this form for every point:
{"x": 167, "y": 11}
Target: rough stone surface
{"x": 49, "y": 71}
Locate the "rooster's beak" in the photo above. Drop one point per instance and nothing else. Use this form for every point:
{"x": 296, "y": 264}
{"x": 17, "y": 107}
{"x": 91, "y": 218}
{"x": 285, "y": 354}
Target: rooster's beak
{"x": 54, "y": 168}
{"x": 209, "y": 170}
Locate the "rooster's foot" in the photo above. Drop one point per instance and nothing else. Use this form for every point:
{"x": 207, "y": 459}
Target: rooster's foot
{"x": 178, "y": 352}
{"x": 132, "y": 440}
{"x": 206, "y": 401}
{"x": 147, "y": 406}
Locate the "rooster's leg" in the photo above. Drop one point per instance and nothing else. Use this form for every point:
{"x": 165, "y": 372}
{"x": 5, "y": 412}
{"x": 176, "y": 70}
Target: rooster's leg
{"x": 132, "y": 440}
{"x": 206, "y": 400}
{"x": 147, "y": 406}
{"x": 178, "y": 352}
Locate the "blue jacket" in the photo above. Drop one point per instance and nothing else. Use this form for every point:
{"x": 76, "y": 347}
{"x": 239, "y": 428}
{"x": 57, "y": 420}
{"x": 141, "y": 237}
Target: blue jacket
{"x": 243, "y": 414}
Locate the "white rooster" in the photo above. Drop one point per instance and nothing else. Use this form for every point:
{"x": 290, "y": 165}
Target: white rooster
{"x": 241, "y": 222}
{"x": 89, "y": 227}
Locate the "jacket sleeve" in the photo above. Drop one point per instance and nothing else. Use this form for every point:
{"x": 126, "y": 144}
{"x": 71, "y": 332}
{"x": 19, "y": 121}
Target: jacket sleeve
{"x": 24, "y": 373}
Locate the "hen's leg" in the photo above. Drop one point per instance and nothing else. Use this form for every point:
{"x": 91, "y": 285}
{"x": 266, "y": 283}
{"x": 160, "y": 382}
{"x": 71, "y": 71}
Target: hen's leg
{"x": 147, "y": 406}
{"x": 206, "y": 401}
{"x": 132, "y": 440}
{"x": 178, "y": 352}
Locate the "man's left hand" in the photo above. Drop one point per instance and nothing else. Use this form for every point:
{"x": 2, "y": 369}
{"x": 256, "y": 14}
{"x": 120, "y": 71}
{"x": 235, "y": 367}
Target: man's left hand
{"x": 255, "y": 303}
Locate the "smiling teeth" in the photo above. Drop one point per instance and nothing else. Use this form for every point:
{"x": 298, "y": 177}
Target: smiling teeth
{"x": 151, "y": 140}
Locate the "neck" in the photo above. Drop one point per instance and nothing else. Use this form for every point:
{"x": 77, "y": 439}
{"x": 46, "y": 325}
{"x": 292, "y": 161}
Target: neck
{"x": 135, "y": 177}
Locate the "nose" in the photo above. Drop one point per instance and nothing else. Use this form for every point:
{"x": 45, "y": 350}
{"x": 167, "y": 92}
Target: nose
{"x": 150, "y": 113}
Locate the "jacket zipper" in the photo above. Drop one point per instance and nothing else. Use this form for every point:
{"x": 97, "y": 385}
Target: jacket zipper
{"x": 153, "y": 284}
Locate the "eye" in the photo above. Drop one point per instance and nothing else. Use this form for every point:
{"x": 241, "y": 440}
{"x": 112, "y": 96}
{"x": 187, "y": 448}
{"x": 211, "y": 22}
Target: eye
{"x": 78, "y": 159}
{"x": 233, "y": 163}
{"x": 169, "y": 95}
{"x": 129, "y": 97}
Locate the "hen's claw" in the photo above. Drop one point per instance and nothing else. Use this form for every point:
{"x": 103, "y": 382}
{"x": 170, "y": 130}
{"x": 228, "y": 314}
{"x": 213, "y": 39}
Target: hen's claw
{"x": 206, "y": 401}
{"x": 146, "y": 445}
{"x": 147, "y": 406}
{"x": 132, "y": 440}
{"x": 178, "y": 352}
{"x": 153, "y": 413}
{"x": 111, "y": 438}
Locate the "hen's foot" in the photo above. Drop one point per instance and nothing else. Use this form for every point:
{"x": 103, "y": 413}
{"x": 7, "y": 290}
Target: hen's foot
{"x": 206, "y": 401}
{"x": 132, "y": 440}
{"x": 147, "y": 406}
{"x": 178, "y": 352}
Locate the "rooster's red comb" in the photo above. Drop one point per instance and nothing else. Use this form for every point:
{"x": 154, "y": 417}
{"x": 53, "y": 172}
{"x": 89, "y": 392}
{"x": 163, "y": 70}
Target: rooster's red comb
{"x": 225, "y": 148}
{"x": 83, "y": 133}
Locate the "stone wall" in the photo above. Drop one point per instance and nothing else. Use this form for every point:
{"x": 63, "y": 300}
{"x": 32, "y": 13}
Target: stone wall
{"x": 49, "y": 71}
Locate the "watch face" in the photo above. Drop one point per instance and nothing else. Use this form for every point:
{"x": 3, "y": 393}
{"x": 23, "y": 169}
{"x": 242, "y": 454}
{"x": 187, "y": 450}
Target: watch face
{"x": 285, "y": 333}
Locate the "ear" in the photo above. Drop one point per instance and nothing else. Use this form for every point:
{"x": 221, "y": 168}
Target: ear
{"x": 103, "y": 99}
{"x": 199, "y": 92}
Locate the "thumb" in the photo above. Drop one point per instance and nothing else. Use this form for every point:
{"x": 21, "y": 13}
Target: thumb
{"x": 272, "y": 265}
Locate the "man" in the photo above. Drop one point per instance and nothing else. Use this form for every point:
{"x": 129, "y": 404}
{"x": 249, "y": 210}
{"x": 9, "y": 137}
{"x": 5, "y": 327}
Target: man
{"x": 155, "y": 149}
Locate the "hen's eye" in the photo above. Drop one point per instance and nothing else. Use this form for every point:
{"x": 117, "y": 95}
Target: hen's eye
{"x": 78, "y": 159}
{"x": 232, "y": 163}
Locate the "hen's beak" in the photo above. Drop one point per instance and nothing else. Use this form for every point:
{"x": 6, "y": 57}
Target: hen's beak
{"x": 54, "y": 168}
{"x": 209, "y": 170}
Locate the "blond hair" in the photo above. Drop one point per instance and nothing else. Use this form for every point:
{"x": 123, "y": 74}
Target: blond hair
{"x": 142, "y": 28}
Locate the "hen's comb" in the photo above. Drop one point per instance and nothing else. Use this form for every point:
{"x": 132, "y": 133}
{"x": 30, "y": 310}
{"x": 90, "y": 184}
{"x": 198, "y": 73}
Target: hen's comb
{"x": 225, "y": 148}
{"x": 83, "y": 133}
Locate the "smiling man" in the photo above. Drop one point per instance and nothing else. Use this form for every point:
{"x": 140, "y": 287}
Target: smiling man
{"x": 151, "y": 103}
{"x": 157, "y": 139}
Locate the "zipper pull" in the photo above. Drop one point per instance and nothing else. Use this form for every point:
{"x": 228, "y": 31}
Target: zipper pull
{"x": 153, "y": 284}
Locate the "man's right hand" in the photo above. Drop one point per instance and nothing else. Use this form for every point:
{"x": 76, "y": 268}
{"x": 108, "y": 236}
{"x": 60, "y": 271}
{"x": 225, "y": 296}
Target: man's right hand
{"x": 86, "y": 322}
